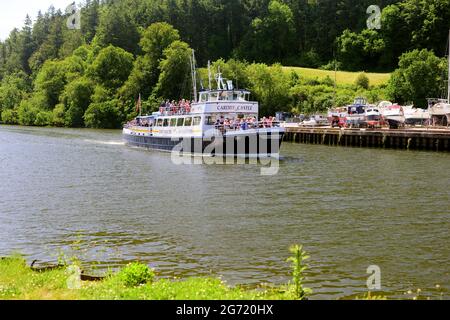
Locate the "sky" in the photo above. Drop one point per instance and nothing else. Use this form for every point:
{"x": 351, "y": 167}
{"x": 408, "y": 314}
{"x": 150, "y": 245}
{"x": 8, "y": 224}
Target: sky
{"x": 13, "y": 12}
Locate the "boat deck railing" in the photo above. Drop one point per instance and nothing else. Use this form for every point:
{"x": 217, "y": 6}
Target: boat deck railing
{"x": 222, "y": 127}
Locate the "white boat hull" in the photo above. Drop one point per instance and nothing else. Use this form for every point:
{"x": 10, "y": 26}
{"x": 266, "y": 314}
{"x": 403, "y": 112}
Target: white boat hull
{"x": 247, "y": 143}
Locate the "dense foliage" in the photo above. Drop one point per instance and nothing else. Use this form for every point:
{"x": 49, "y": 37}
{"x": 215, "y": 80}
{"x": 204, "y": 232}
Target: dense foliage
{"x": 420, "y": 76}
{"x": 52, "y": 75}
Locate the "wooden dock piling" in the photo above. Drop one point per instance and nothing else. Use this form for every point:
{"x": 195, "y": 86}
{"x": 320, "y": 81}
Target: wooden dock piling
{"x": 431, "y": 139}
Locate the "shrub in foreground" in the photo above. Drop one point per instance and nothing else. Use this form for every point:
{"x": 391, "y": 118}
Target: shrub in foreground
{"x": 135, "y": 274}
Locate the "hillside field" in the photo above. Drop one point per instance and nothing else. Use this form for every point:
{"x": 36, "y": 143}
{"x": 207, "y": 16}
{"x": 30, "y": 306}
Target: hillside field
{"x": 342, "y": 77}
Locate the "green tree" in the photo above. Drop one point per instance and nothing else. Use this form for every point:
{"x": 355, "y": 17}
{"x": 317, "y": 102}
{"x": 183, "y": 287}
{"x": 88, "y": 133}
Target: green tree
{"x": 144, "y": 76}
{"x": 157, "y": 37}
{"x": 13, "y": 49}
{"x": 271, "y": 37}
{"x": 420, "y": 75}
{"x": 174, "y": 80}
{"x": 9, "y": 116}
{"x": 76, "y": 99}
{"x": 117, "y": 28}
{"x": 90, "y": 16}
{"x": 27, "y": 113}
{"x": 13, "y": 89}
{"x": 112, "y": 67}
{"x": 270, "y": 85}
{"x": 44, "y": 118}
{"x": 50, "y": 82}
{"x": 54, "y": 39}
{"x": 58, "y": 117}
{"x": 362, "y": 81}
{"x": 72, "y": 39}
{"x": 360, "y": 50}
{"x": 28, "y": 46}
{"x": 103, "y": 112}
{"x": 41, "y": 29}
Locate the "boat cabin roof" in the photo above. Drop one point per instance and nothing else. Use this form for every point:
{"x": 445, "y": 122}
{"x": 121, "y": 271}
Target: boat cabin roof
{"x": 223, "y": 95}
{"x": 146, "y": 117}
{"x": 360, "y": 101}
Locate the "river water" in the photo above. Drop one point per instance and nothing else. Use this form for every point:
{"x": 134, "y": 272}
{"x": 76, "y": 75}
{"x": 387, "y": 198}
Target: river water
{"x": 84, "y": 193}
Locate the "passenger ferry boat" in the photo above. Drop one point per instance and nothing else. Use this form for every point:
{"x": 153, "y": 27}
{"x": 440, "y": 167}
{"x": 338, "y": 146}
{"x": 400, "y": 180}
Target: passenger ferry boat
{"x": 221, "y": 122}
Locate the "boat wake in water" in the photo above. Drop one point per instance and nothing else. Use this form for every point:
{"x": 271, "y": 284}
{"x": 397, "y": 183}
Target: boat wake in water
{"x": 109, "y": 143}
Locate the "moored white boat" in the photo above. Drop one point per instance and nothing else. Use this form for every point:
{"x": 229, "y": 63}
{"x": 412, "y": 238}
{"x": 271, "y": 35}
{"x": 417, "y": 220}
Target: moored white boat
{"x": 373, "y": 118}
{"x": 337, "y": 117}
{"x": 416, "y": 116}
{"x": 356, "y": 113}
{"x": 394, "y": 115}
{"x": 315, "y": 121}
{"x": 439, "y": 112}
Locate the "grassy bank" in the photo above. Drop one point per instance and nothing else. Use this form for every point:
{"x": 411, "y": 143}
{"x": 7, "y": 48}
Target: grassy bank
{"x": 342, "y": 77}
{"x": 137, "y": 282}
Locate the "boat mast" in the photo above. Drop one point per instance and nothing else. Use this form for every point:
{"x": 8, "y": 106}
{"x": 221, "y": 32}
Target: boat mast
{"x": 194, "y": 75}
{"x": 209, "y": 74}
{"x": 448, "y": 76}
{"x": 335, "y": 82}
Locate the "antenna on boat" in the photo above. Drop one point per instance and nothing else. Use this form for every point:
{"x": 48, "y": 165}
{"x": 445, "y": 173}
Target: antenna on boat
{"x": 220, "y": 81}
{"x": 194, "y": 75}
{"x": 209, "y": 74}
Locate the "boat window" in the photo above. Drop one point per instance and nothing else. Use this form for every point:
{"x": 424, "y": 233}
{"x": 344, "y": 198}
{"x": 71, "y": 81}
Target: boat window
{"x": 213, "y": 96}
{"x": 159, "y": 123}
{"x": 197, "y": 121}
{"x": 173, "y": 122}
{"x": 166, "y": 122}
{"x": 210, "y": 120}
{"x": 203, "y": 97}
{"x": 180, "y": 122}
{"x": 224, "y": 96}
{"x": 188, "y": 122}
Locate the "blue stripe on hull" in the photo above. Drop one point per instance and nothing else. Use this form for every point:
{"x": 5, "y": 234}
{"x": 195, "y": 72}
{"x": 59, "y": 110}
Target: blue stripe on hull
{"x": 230, "y": 144}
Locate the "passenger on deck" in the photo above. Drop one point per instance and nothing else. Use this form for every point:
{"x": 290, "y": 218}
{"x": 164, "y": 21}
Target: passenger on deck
{"x": 264, "y": 122}
{"x": 226, "y": 124}
{"x": 244, "y": 124}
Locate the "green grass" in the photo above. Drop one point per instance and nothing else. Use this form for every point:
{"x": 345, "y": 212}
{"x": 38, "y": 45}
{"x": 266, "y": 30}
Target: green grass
{"x": 18, "y": 281}
{"x": 342, "y": 77}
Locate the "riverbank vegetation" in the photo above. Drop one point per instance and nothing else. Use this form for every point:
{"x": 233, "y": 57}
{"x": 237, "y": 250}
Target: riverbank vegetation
{"x": 138, "y": 282}
{"x": 92, "y": 77}
{"x": 18, "y": 281}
